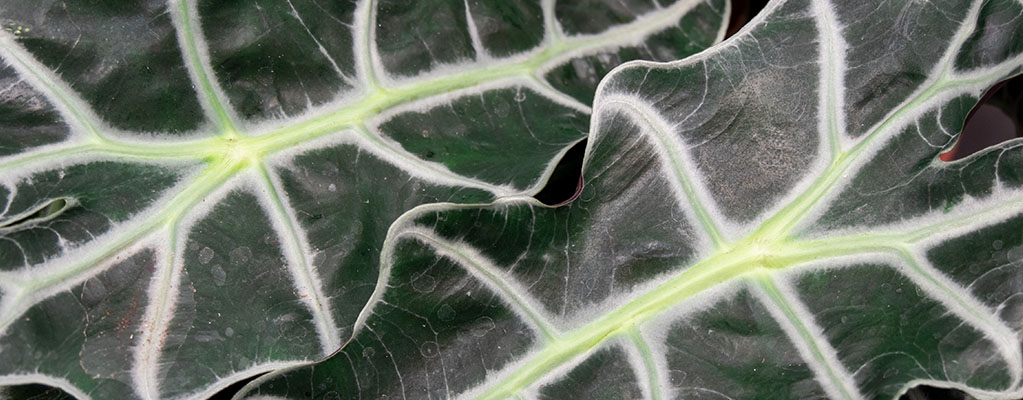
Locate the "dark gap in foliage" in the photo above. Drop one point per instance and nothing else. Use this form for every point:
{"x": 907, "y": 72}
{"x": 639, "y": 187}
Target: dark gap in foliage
{"x": 924, "y": 392}
{"x": 995, "y": 119}
{"x": 49, "y": 211}
{"x": 565, "y": 182}
{"x": 229, "y": 392}
{"x": 742, "y": 12}
{"x": 43, "y": 392}
{"x": 34, "y": 392}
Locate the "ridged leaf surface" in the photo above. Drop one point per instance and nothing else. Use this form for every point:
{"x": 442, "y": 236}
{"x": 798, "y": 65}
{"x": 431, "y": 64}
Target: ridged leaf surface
{"x": 195, "y": 192}
{"x": 766, "y": 219}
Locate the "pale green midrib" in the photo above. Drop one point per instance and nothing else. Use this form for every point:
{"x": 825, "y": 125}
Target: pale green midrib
{"x": 41, "y": 157}
{"x": 782, "y": 223}
{"x": 833, "y": 79}
{"x": 80, "y": 116}
{"x": 974, "y": 219}
{"x": 209, "y": 93}
{"x": 906, "y": 236}
{"x": 372, "y": 103}
{"x": 767, "y": 284}
{"x": 898, "y": 239}
{"x": 462, "y": 180}
{"x": 161, "y": 301}
{"x": 724, "y": 267}
{"x": 741, "y": 261}
{"x": 223, "y": 166}
{"x": 997, "y": 331}
{"x": 208, "y": 181}
{"x": 683, "y": 286}
{"x": 679, "y": 170}
{"x": 907, "y": 256}
{"x": 833, "y": 132}
{"x": 368, "y": 73}
{"x": 507, "y": 292}
{"x": 156, "y": 153}
{"x": 554, "y": 35}
{"x": 653, "y": 380}
{"x": 325, "y": 322}
{"x": 185, "y": 152}
{"x": 214, "y": 149}
{"x": 381, "y": 99}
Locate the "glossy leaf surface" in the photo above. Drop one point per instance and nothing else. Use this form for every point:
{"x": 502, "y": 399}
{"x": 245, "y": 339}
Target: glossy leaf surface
{"x": 766, "y": 219}
{"x": 192, "y": 193}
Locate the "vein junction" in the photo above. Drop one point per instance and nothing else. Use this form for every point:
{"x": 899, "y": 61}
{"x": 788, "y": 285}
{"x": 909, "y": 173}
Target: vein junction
{"x": 772, "y": 247}
{"x": 231, "y": 151}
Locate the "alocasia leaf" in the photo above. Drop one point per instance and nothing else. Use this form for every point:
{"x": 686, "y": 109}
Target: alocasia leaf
{"x": 766, "y": 219}
{"x": 196, "y": 192}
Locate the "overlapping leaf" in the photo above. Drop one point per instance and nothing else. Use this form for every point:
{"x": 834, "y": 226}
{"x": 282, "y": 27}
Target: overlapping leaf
{"x": 195, "y": 193}
{"x": 767, "y": 219}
